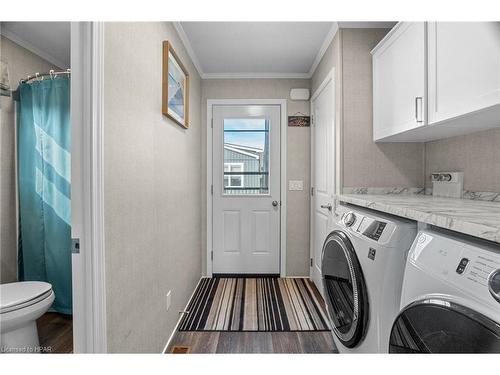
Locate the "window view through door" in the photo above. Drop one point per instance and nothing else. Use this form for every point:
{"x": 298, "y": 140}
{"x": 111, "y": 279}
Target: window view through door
{"x": 246, "y": 156}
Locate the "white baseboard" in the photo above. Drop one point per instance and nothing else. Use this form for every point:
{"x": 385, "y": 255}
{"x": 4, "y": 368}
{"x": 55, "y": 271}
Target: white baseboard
{"x": 180, "y": 317}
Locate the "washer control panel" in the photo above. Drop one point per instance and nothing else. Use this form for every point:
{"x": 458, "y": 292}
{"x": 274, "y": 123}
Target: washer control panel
{"x": 349, "y": 219}
{"x": 371, "y": 228}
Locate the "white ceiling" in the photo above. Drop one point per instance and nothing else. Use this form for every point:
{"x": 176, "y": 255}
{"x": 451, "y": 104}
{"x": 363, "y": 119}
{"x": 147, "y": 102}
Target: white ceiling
{"x": 49, "y": 40}
{"x": 255, "y": 48}
{"x": 260, "y": 49}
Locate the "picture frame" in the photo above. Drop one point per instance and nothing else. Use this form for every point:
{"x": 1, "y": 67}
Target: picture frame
{"x": 175, "y": 87}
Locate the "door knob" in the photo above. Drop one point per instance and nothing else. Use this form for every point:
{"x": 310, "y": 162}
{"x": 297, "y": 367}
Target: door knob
{"x": 327, "y": 206}
{"x": 275, "y": 203}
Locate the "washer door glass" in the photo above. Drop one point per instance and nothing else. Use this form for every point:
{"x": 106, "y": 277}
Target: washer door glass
{"x": 434, "y": 326}
{"x": 344, "y": 289}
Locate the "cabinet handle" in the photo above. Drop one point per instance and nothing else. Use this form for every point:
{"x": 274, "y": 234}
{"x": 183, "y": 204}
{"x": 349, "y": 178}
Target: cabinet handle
{"x": 418, "y": 116}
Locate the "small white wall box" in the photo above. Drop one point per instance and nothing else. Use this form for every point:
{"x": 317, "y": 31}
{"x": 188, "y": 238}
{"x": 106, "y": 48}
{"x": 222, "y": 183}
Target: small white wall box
{"x": 447, "y": 184}
{"x": 295, "y": 185}
{"x": 299, "y": 94}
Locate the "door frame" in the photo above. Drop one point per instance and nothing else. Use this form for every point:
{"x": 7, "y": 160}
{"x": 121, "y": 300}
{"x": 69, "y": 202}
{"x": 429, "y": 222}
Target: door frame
{"x": 87, "y": 187}
{"x": 283, "y": 134}
{"x": 337, "y": 155}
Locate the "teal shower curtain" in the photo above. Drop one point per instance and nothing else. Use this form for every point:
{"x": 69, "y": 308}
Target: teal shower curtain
{"x": 44, "y": 162}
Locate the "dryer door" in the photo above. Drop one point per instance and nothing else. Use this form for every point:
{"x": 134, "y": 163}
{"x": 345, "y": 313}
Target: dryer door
{"x": 437, "y": 326}
{"x": 344, "y": 288}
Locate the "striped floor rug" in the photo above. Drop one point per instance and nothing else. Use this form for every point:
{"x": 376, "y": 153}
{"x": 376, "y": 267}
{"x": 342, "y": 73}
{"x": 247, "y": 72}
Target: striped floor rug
{"x": 255, "y": 304}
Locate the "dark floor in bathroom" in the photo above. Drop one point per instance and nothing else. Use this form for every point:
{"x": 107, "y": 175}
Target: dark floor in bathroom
{"x": 55, "y": 332}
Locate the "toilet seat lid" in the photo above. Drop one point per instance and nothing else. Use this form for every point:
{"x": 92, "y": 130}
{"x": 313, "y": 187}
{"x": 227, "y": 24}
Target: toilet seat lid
{"x": 21, "y": 293}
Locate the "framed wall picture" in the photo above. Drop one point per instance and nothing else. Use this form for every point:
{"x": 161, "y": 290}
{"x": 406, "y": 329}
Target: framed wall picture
{"x": 175, "y": 87}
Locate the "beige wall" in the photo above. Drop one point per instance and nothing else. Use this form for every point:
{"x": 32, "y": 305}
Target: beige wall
{"x": 298, "y": 158}
{"x": 21, "y": 63}
{"x": 330, "y": 60}
{"x": 362, "y": 162}
{"x": 477, "y": 155}
{"x": 366, "y": 163}
{"x": 152, "y": 190}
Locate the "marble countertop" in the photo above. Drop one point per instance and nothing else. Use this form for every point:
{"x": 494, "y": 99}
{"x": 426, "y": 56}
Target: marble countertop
{"x": 476, "y": 218}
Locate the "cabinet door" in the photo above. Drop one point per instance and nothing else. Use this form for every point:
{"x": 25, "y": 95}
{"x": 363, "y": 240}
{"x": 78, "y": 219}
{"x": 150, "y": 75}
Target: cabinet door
{"x": 399, "y": 80}
{"x": 464, "y": 68}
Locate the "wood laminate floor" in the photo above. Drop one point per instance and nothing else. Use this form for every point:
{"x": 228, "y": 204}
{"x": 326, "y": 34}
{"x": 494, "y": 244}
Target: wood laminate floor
{"x": 55, "y": 332}
{"x": 255, "y": 342}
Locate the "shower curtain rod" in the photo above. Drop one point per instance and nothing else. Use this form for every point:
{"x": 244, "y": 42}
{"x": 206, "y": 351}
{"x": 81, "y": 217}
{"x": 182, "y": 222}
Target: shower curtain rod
{"x": 51, "y": 73}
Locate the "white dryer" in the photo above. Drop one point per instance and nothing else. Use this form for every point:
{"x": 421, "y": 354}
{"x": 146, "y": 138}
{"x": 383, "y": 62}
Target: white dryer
{"x": 450, "y": 300}
{"x": 362, "y": 270}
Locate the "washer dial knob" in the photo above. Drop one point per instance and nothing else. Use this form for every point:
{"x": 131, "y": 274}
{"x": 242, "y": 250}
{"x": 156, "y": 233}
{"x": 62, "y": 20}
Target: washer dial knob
{"x": 349, "y": 219}
{"x": 494, "y": 284}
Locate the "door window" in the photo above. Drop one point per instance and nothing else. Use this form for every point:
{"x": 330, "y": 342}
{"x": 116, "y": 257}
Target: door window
{"x": 246, "y": 156}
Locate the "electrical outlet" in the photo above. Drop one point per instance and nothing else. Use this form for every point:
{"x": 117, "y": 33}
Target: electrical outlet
{"x": 169, "y": 299}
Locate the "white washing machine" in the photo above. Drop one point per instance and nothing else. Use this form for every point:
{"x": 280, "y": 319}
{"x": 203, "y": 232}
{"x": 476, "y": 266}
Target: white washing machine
{"x": 450, "y": 301}
{"x": 362, "y": 268}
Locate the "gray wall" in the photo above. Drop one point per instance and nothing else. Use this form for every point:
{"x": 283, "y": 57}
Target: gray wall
{"x": 367, "y": 163}
{"x": 21, "y": 63}
{"x": 329, "y": 60}
{"x": 298, "y": 158}
{"x": 363, "y": 163}
{"x": 477, "y": 155}
{"x": 152, "y": 190}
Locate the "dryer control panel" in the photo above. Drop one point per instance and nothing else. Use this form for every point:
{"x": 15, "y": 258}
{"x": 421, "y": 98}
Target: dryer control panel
{"x": 464, "y": 264}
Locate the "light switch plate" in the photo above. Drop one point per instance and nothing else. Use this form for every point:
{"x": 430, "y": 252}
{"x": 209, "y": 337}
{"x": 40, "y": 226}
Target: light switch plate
{"x": 295, "y": 185}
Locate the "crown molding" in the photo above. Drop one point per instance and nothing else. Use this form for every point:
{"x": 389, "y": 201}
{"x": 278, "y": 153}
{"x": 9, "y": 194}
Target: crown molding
{"x": 326, "y": 43}
{"x": 32, "y": 48}
{"x": 256, "y": 76}
{"x": 189, "y": 49}
{"x": 367, "y": 25}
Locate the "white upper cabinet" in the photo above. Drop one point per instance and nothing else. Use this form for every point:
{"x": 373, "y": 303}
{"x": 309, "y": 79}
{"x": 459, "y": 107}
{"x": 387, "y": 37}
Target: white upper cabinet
{"x": 461, "y": 79}
{"x": 399, "y": 80}
{"x": 464, "y": 68}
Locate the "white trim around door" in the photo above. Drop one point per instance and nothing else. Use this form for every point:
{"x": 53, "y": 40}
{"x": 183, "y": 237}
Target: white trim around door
{"x": 87, "y": 193}
{"x": 331, "y": 184}
{"x": 283, "y": 137}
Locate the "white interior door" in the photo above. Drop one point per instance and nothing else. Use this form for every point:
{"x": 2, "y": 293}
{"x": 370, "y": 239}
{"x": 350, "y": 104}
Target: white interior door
{"x": 246, "y": 189}
{"x": 323, "y": 173}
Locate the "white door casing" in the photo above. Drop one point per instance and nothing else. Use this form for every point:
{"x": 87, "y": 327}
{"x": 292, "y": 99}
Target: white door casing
{"x": 246, "y": 223}
{"x": 322, "y": 172}
{"x": 87, "y": 187}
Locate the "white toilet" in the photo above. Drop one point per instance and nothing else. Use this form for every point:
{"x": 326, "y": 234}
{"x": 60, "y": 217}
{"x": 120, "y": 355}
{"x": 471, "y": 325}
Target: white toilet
{"x": 21, "y": 304}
